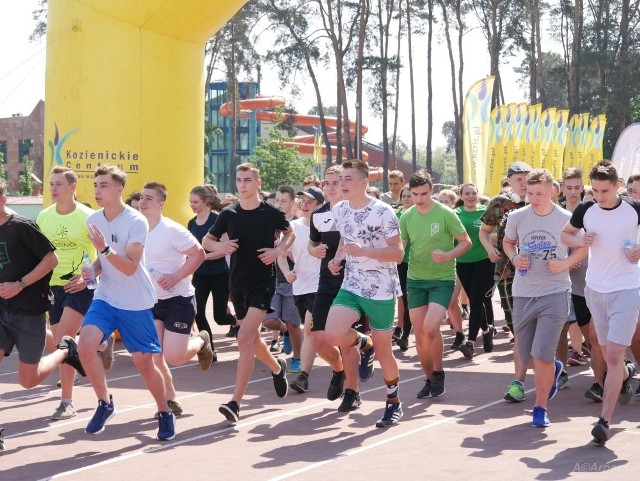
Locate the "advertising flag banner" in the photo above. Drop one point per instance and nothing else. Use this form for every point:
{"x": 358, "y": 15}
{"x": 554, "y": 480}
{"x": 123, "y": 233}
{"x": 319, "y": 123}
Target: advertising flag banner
{"x": 475, "y": 130}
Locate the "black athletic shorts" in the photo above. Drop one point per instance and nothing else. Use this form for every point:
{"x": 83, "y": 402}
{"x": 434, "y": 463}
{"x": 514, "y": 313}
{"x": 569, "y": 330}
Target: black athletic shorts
{"x": 78, "y": 301}
{"x": 259, "y": 298}
{"x": 581, "y": 310}
{"x": 177, "y": 313}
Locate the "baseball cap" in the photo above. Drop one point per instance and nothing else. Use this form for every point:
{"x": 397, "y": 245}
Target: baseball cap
{"x": 313, "y": 193}
{"x": 518, "y": 168}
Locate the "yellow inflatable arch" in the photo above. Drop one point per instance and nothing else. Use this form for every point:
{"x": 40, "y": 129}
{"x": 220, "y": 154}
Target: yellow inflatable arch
{"x": 124, "y": 85}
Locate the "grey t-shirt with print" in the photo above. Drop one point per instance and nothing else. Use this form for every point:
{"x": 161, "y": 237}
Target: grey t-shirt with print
{"x": 542, "y": 235}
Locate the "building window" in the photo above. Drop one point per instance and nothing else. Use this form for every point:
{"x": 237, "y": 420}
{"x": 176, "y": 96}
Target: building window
{"x": 3, "y": 151}
{"x": 24, "y": 146}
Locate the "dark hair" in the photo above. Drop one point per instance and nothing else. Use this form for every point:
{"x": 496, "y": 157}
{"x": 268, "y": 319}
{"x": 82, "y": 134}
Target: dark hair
{"x": 287, "y": 189}
{"x": 572, "y": 173}
{"x": 460, "y": 202}
{"x": 114, "y": 172}
{"x": 132, "y": 197}
{"x": 160, "y": 189}
{"x": 69, "y": 174}
{"x": 604, "y": 170}
{"x": 419, "y": 178}
{"x": 208, "y": 194}
{"x": 359, "y": 165}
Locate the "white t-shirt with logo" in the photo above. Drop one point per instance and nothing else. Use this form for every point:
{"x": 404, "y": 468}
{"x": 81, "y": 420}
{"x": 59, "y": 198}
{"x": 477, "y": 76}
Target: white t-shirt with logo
{"x": 164, "y": 255}
{"x": 370, "y": 226}
{"x": 306, "y": 266}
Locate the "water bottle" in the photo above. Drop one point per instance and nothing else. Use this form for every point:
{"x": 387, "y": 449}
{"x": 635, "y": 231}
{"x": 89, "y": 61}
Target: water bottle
{"x": 87, "y": 266}
{"x": 157, "y": 275}
{"x": 628, "y": 246}
{"x": 526, "y": 252}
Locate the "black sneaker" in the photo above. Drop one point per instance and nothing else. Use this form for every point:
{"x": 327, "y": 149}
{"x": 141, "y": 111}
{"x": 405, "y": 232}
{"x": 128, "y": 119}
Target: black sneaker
{"x": 397, "y": 333}
{"x": 350, "y": 401}
{"x": 425, "y": 391}
{"x": 403, "y": 344}
{"x": 1, "y": 439}
{"x": 301, "y": 384}
{"x": 594, "y": 393}
{"x": 336, "y": 386}
{"x": 72, "y": 358}
{"x": 487, "y": 340}
{"x": 638, "y": 390}
{"x": 231, "y": 411}
{"x": 391, "y": 416}
{"x": 467, "y": 350}
{"x": 459, "y": 341}
{"x": 626, "y": 393}
{"x": 280, "y": 379}
{"x": 365, "y": 369}
{"x": 437, "y": 384}
{"x": 601, "y": 432}
{"x": 233, "y": 331}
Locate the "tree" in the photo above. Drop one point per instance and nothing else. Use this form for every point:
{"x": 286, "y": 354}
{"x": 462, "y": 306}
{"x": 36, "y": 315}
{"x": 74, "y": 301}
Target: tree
{"x": 449, "y": 132}
{"x": 278, "y": 164}
{"x": 3, "y": 171}
{"x": 27, "y": 183}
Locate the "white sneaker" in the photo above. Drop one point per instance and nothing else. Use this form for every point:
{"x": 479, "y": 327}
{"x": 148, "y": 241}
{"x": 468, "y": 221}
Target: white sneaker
{"x": 64, "y": 411}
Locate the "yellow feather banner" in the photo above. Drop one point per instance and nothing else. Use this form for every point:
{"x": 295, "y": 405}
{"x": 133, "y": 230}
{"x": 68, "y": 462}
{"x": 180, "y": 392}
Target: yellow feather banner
{"x": 530, "y": 141}
{"x": 555, "y": 159}
{"x": 594, "y": 144}
{"x": 496, "y": 167}
{"x": 545, "y": 137}
{"x": 475, "y": 130}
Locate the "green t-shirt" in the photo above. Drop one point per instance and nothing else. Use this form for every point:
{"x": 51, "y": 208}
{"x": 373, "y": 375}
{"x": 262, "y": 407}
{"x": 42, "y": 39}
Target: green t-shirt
{"x": 69, "y": 234}
{"x": 472, "y": 223}
{"x": 425, "y": 233}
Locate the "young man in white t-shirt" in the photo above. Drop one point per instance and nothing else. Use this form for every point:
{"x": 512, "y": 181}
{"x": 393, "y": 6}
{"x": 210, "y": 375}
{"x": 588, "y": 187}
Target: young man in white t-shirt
{"x": 171, "y": 256}
{"x": 304, "y": 280}
{"x": 123, "y": 299}
{"x": 372, "y": 248}
{"x": 611, "y": 224}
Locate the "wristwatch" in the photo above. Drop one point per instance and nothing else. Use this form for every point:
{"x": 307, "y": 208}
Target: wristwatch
{"x": 21, "y": 283}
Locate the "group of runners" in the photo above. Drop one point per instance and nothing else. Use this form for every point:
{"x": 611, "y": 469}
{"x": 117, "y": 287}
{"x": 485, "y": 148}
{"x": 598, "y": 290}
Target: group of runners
{"x": 562, "y": 266}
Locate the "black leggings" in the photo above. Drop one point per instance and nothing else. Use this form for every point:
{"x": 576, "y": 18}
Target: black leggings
{"x": 405, "y": 322}
{"x": 477, "y": 280}
{"x": 218, "y": 286}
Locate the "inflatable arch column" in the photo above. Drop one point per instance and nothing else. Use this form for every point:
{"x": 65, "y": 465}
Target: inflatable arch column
{"x": 124, "y": 86}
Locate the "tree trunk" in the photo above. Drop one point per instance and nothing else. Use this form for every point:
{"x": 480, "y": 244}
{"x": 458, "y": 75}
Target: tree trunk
{"x": 454, "y": 89}
{"x": 397, "y": 87}
{"x": 429, "y": 164}
{"x": 541, "y": 78}
{"x": 533, "y": 70}
{"x": 414, "y": 148}
{"x": 574, "y": 68}
{"x": 362, "y": 31}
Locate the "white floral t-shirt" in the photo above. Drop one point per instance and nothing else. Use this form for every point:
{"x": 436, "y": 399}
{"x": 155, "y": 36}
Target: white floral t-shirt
{"x": 370, "y": 226}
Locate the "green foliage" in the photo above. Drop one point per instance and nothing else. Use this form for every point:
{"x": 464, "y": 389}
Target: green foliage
{"x": 279, "y": 164}
{"x": 444, "y": 169}
{"x": 3, "y": 171}
{"x": 26, "y": 178}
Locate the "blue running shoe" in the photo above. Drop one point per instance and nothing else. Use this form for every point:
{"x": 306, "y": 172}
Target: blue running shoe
{"x": 295, "y": 365}
{"x": 166, "y": 426}
{"x": 104, "y": 412}
{"x": 287, "y": 348}
{"x": 391, "y": 416}
{"x": 556, "y": 376}
{"x": 540, "y": 418}
{"x": 365, "y": 369}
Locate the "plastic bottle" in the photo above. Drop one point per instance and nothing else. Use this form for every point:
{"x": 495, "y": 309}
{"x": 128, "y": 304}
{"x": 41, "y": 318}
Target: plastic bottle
{"x": 525, "y": 252}
{"x": 157, "y": 275}
{"x": 87, "y": 266}
{"x": 628, "y": 246}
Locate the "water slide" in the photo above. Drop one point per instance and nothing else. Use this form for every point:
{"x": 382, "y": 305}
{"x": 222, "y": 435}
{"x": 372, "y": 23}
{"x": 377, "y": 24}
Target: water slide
{"x": 304, "y": 143}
